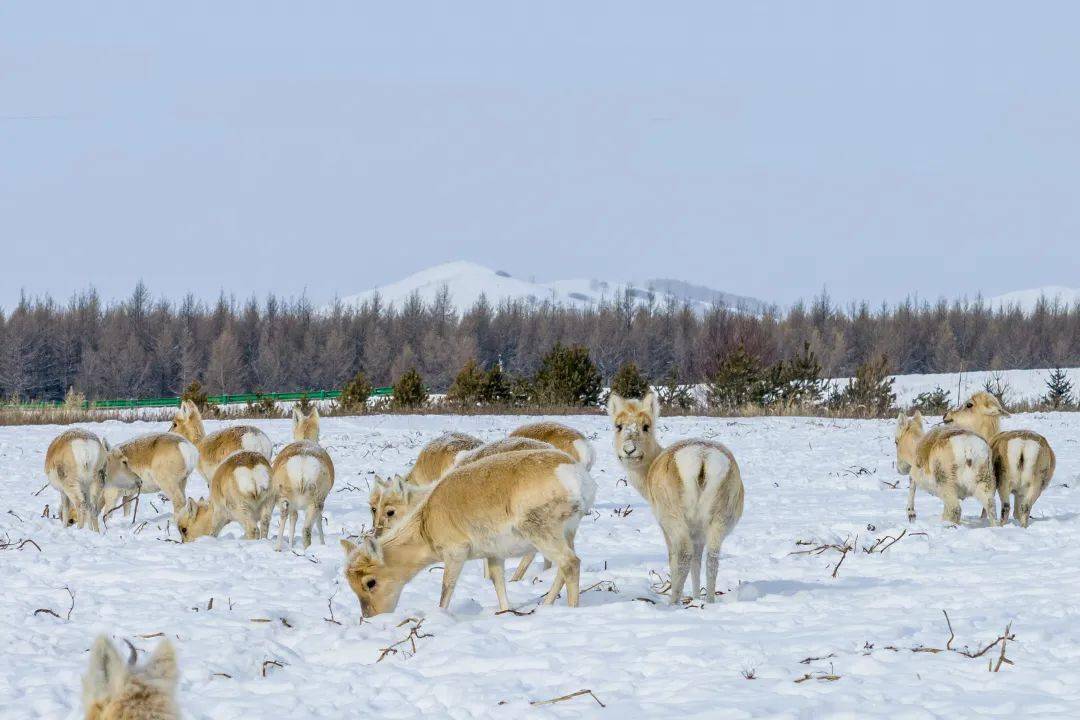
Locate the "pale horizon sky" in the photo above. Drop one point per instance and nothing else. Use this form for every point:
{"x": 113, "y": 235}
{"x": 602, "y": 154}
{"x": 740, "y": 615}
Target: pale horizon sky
{"x": 767, "y": 149}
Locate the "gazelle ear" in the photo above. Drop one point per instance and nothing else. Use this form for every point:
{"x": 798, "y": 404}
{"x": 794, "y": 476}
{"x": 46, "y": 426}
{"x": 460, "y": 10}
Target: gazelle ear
{"x": 370, "y": 547}
{"x": 297, "y": 416}
{"x": 917, "y": 417}
{"x": 348, "y": 547}
{"x": 399, "y": 485}
{"x": 901, "y": 419}
{"x": 615, "y": 404}
{"x": 161, "y": 668}
{"x": 314, "y": 412}
{"x": 190, "y": 507}
{"x": 106, "y": 672}
{"x": 652, "y": 404}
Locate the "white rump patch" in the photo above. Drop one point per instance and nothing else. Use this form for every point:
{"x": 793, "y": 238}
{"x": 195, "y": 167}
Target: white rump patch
{"x": 585, "y": 453}
{"x": 257, "y": 442}
{"x": 190, "y": 453}
{"x": 970, "y": 447}
{"x": 693, "y": 462}
{"x": 578, "y": 483}
{"x": 252, "y": 481}
{"x": 303, "y": 472}
{"x": 87, "y": 454}
{"x": 1027, "y": 448}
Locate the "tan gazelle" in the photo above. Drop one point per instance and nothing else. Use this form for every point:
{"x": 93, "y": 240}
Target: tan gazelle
{"x": 240, "y": 491}
{"x": 1023, "y": 460}
{"x": 694, "y": 488}
{"x": 113, "y": 689}
{"x": 75, "y": 466}
{"x": 565, "y": 438}
{"x": 305, "y": 426}
{"x": 156, "y": 462}
{"x": 438, "y": 456}
{"x": 218, "y": 445}
{"x": 948, "y": 462}
{"x": 498, "y": 507}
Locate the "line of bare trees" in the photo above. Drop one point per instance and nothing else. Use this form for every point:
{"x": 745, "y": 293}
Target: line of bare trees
{"x": 146, "y": 347}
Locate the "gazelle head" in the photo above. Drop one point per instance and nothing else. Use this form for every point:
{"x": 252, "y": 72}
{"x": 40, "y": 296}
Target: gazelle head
{"x": 908, "y": 433}
{"x": 391, "y": 500}
{"x": 635, "y": 428}
{"x": 376, "y": 584}
{"x": 188, "y": 422}
{"x": 981, "y": 414}
{"x": 113, "y": 688}
{"x": 305, "y": 427}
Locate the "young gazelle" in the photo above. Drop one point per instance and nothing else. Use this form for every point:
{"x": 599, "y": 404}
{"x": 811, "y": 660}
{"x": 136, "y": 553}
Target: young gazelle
{"x": 240, "y": 490}
{"x": 567, "y": 439}
{"x": 156, "y": 462}
{"x": 217, "y": 446}
{"x": 694, "y": 488}
{"x": 1024, "y": 462}
{"x": 949, "y": 462}
{"x": 75, "y": 465}
{"x": 498, "y": 507}
{"x": 438, "y": 456}
{"x": 115, "y": 690}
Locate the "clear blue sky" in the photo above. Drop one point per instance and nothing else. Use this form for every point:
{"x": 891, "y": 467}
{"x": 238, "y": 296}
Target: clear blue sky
{"x": 765, "y": 148}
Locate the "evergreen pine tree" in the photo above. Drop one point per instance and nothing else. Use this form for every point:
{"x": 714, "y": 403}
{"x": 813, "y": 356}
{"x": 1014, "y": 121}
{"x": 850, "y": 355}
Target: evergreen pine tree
{"x": 567, "y": 376}
{"x": 355, "y": 394}
{"x": 1058, "y": 390}
{"x": 629, "y": 382}
{"x": 736, "y": 382}
{"x": 870, "y": 392}
{"x": 409, "y": 391}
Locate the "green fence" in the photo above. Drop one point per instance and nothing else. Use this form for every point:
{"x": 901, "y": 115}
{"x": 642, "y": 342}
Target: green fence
{"x": 129, "y": 403}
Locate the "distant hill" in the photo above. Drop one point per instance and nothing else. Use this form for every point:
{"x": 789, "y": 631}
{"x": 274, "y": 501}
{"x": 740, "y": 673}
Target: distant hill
{"x": 467, "y": 281}
{"x": 1026, "y": 300}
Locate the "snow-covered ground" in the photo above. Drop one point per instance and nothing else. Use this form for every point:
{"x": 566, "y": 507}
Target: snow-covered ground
{"x": 232, "y": 606}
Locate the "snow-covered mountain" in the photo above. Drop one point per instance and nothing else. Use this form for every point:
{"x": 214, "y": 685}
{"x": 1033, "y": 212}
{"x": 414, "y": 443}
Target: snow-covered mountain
{"x": 467, "y": 281}
{"x": 1026, "y": 300}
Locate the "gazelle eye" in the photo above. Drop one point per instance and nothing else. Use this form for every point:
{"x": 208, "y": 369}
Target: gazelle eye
{"x": 370, "y": 584}
{"x": 390, "y": 512}
{"x": 618, "y": 426}
{"x": 969, "y": 406}
{"x": 645, "y": 427}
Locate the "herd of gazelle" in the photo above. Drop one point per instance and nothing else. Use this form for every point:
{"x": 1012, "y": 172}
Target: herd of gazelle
{"x": 464, "y": 499}
{"x": 244, "y": 485}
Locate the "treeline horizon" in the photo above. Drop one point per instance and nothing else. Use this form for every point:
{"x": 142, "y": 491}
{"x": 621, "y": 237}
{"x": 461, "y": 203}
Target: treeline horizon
{"x": 143, "y": 347}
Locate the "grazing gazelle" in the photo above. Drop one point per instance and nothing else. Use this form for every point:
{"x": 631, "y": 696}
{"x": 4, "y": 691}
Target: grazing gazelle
{"x": 498, "y": 507}
{"x": 75, "y": 465}
{"x": 156, "y": 462}
{"x": 1024, "y": 462}
{"x": 694, "y": 488}
{"x": 240, "y": 490}
{"x": 118, "y": 690}
{"x": 218, "y": 445}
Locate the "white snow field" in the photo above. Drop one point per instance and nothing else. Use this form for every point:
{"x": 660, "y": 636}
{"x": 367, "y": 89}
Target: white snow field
{"x": 251, "y": 625}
